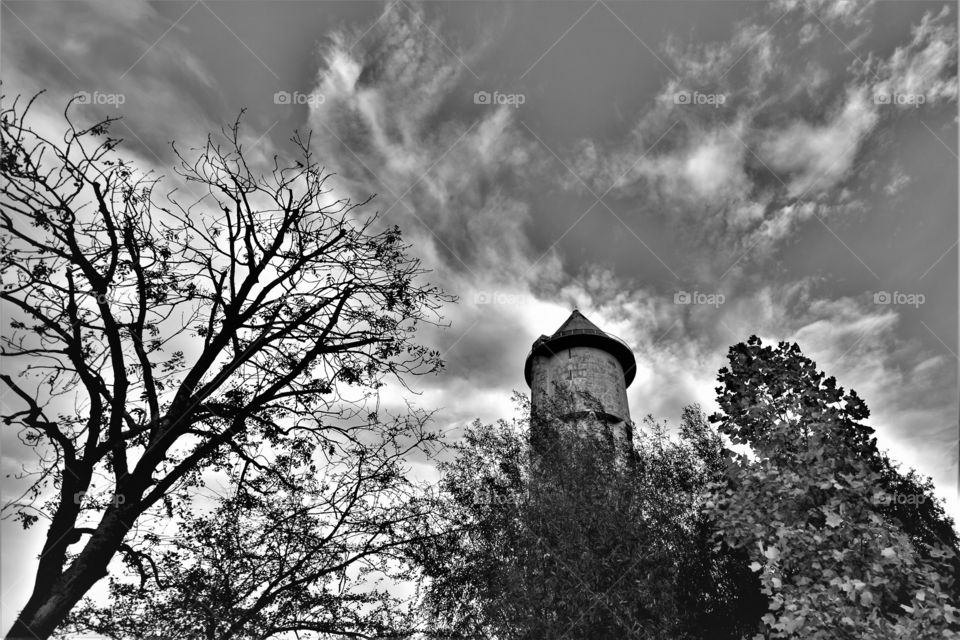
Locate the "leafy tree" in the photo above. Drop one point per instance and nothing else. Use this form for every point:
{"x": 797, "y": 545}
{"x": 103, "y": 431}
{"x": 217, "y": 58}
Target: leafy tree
{"x": 300, "y": 546}
{"x": 835, "y": 559}
{"x": 574, "y": 540}
{"x": 160, "y": 340}
{"x": 718, "y": 595}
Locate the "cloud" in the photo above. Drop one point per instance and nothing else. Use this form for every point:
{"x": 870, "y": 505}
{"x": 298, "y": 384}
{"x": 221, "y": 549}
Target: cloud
{"x": 779, "y": 226}
{"x": 897, "y": 181}
{"x": 383, "y": 115}
{"x": 817, "y": 157}
{"x": 713, "y": 167}
{"x": 160, "y": 88}
{"x": 927, "y": 66}
{"x": 833, "y": 13}
{"x": 727, "y": 177}
{"x": 397, "y": 115}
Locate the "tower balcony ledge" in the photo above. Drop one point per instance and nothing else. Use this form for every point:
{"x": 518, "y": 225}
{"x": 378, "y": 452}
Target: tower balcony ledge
{"x": 584, "y": 337}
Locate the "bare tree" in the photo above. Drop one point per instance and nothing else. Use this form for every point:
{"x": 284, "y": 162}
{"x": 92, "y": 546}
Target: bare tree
{"x": 156, "y": 341}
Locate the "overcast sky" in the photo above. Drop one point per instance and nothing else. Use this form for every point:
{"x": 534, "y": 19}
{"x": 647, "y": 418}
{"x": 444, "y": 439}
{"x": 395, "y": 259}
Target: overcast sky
{"x": 686, "y": 173}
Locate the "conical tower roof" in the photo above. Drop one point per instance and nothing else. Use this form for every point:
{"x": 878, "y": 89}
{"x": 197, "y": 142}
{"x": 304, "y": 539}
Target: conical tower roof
{"x": 577, "y": 330}
{"x": 577, "y": 322}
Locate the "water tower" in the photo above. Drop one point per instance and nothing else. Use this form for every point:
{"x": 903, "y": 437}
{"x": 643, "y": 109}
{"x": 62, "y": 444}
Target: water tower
{"x": 591, "y": 371}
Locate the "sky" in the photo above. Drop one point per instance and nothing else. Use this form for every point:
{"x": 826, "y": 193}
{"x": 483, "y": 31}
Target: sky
{"x": 687, "y": 174}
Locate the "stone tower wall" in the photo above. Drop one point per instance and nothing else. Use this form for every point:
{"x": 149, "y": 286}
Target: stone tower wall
{"x": 583, "y": 368}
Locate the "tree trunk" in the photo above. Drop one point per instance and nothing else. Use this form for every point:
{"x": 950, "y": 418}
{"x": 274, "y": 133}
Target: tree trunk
{"x": 54, "y": 597}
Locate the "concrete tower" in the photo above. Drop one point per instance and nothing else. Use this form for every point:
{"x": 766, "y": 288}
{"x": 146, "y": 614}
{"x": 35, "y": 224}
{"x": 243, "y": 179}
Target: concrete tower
{"x": 590, "y": 368}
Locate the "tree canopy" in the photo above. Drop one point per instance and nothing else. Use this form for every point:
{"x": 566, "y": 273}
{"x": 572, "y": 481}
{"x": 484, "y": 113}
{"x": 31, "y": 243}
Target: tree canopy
{"x": 313, "y": 547}
{"x": 161, "y": 338}
{"x": 779, "y": 520}
{"x": 573, "y": 541}
{"x": 836, "y": 557}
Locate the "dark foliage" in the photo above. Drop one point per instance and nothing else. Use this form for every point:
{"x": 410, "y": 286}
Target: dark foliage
{"x": 580, "y": 541}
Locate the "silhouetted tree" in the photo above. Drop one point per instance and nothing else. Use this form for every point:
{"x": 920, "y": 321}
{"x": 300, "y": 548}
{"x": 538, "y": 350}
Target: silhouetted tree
{"x": 157, "y": 341}
{"x": 306, "y": 546}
